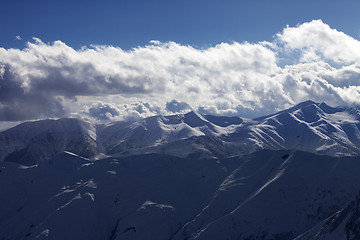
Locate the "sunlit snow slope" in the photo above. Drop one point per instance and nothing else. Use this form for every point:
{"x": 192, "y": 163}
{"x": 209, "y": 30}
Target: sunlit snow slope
{"x": 311, "y": 127}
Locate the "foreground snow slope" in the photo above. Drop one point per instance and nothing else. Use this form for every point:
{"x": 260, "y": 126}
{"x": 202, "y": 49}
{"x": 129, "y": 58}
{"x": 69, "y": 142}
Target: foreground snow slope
{"x": 309, "y": 126}
{"x": 344, "y": 224}
{"x": 263, "y": 195}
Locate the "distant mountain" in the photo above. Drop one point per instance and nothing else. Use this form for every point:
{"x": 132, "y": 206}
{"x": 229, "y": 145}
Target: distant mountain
{"x": 33, "y": 142}
{"x": 308, "y": 126}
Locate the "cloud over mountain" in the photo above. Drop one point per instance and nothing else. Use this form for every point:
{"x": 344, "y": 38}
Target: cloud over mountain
{"x": 107, "y": 82}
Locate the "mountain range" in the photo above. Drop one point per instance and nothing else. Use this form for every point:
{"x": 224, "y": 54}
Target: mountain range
{"x": 290, "y": 175}
{"x": 309, "y": 126}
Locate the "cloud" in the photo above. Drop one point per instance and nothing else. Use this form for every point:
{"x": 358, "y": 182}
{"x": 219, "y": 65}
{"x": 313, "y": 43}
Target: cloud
{"x": 108, "y": 83}
{"x": 177, "y": 107}
{"x": 102, "y": 111}
{"x": 316, "y": 40}
{"x": 18, "y": 104}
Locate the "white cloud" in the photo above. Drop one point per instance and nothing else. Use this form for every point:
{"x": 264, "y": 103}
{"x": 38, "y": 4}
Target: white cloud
{"x": 53, "y": 80}
{"x": 316, "y": 40}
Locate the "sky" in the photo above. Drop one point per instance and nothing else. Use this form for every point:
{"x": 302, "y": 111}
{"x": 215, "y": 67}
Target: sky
{"x": 122, "y": 60}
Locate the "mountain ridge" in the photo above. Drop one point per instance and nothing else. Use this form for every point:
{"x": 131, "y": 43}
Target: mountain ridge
{"x": 308, "y": 126}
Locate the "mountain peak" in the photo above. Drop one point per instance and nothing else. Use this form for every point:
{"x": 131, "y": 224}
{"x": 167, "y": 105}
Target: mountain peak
{"x": 192, "y": 113}
{"x": 310, "y": 113}
{"x": 194, "y": 119}
{"x": 302, "y": 105}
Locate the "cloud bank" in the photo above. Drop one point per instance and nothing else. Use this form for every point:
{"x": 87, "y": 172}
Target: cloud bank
{"x": 107, "y": 83}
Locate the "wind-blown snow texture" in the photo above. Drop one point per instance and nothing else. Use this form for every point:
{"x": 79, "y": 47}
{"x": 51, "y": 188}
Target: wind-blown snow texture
{"x": 291, "y": 175}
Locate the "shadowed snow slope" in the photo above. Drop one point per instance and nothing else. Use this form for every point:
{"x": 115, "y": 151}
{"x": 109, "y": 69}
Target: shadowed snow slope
{"x": 344, "y": 224}
{"x": 309, "y": 126}
{"x": 264, "y": 195}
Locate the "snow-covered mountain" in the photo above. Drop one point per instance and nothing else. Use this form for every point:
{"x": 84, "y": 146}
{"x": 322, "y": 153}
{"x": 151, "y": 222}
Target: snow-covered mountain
{"x": 33, "y": 142}
{"x": 309, "y": 126}
{"x": 290, "y": 175}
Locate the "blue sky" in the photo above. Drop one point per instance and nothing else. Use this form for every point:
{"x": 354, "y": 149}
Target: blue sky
{"x": 124, "y": 60}
{"x": 128, "y": 24}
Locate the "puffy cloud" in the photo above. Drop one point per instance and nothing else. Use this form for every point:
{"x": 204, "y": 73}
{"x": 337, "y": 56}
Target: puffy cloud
{"x": 316, "y": 40}
{"x": 158, "y": 73}
{"x": 16, "y": 103}
{"x": 176, "y": 106}
{"x": 102, "y": 111}
{"x": 139, "y": 110}
{"x": 105, "y": 112}
{"x": 108, "y": 83}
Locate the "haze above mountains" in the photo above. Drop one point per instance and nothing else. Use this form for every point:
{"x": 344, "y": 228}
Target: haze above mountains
{"x": 290, "y": 175}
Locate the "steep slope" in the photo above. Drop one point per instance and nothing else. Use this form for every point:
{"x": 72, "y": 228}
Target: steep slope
{"x": 265, "y": 195}
{"x": 344, "y": 224}
{"x": 274, "y": 196}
